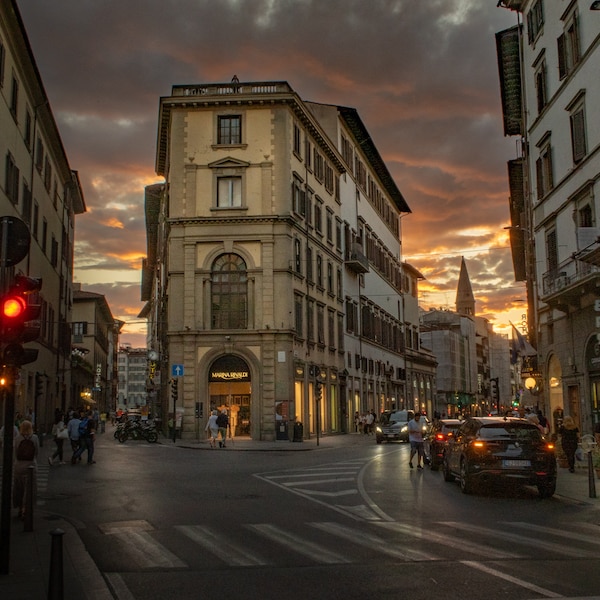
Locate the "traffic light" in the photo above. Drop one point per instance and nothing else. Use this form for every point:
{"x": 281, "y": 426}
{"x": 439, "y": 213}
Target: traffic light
{"x": 494, "y": 389}
{"x": 39, "y": 385}
{"x": 318, "y": 390}
{"x": 18, "y": 320}
{"x": 174, "y": 389}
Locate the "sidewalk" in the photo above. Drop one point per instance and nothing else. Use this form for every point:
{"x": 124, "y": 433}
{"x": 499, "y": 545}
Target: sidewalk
{"x": 30, "y": 552}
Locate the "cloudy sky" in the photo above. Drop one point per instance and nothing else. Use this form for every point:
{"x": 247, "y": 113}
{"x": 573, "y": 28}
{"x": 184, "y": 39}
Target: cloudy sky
{"x": 421, "y": 73}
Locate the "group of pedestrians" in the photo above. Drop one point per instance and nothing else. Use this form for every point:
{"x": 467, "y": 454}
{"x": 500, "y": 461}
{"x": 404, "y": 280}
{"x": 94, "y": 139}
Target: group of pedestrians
{"x": 79, "y": 427}
{"x": 365, "y": 423}
{"x": 218, "y": 424}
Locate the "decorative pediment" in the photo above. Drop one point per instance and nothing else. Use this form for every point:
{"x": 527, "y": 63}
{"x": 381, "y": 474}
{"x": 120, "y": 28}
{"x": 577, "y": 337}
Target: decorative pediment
{"x": 229, "y": 163}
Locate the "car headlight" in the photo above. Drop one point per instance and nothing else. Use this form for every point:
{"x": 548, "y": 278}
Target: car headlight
{"x": 405, "y": 428}
{"x": 378, "y": 429}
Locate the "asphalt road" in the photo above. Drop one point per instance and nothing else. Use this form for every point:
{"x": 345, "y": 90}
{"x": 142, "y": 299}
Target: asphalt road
{"x": 166, "y": 522}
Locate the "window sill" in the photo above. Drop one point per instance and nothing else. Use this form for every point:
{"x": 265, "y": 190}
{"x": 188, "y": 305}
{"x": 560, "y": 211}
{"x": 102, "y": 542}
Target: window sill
{"x": 229, "y": 146}
{"x": 241, "y": 209}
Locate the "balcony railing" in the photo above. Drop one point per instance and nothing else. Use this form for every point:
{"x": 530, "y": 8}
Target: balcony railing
{"x": 226, "y": 89}
{"x": 357, "y": 262}
{"x": 567, "y": 275}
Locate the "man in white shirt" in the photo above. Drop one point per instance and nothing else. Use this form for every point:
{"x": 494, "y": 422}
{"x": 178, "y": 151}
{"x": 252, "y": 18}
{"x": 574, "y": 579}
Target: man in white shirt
{"x": 415, "y": 437}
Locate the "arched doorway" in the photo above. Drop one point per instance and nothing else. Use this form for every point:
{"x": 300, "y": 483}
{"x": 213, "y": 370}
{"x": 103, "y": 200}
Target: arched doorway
{"x": 230, "y": 387}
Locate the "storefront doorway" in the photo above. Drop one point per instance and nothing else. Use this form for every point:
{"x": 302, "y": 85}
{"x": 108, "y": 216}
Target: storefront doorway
{"x": 230, "y": 387}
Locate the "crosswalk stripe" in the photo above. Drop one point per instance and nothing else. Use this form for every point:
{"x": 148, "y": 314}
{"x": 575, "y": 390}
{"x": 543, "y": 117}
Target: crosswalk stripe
{"x": 570, "y": 534}
{"x": 446, "y": 540}
{"x": 520, "y": 539}
{"x": 214, "y": 542}
{"x": 146, "y": 551}
{"x": 373, "y": 542}
{"x": 311, "y": 549}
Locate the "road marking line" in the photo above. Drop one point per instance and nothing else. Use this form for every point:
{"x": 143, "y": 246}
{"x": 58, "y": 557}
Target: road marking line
{"x": 515, "y": 580}
{"x": 214, "y": 542}
{"x": 446, "y": 540}
{"x": 146, "y": 551}
{"x": 570, "y": 535}
{"x": 320, "y": 481}
{"x": 320, "y": 474}
{"x": 311, "y": 549}
{"x": 520, "y": 539}
{"x": 331, "y": 494}
{"x": 373, "y": 542}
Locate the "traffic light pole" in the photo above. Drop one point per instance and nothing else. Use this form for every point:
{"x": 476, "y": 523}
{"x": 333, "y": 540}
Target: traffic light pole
{"x": 7, "y": 472}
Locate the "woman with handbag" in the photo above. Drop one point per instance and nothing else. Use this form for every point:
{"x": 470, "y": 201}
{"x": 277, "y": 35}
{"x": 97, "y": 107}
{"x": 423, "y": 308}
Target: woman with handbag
{"x": 569, "y": 438}
{"x": 60, "y": 433}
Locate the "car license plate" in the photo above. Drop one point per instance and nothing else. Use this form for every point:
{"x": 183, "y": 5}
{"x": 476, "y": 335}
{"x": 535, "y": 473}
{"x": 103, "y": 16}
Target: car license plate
{"x": 512, "y": 463}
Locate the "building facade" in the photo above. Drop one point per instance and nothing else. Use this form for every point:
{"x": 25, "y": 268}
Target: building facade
{"x": 132, "y": 387}
{"x": 274, "y": 282}
{"x": 37, "y": 187}
{"x": 95, "y": 343}
{"x": 549, "y": 63}
{"x": 473, "y": 362}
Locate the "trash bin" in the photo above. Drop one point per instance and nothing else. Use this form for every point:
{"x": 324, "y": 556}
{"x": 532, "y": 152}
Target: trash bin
{"x": 282, "y": 432}
{"x": 298, "y": 432}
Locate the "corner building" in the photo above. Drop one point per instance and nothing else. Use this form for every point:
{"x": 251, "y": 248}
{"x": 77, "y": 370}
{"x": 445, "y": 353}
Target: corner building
{"x": 274, "y": 261}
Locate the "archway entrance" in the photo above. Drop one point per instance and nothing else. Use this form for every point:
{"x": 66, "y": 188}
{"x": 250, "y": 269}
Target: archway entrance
{"x": 230, "y": 387}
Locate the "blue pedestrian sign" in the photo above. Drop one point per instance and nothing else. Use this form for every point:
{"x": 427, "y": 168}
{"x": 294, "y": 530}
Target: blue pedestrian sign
{"x": 176, "y": 370}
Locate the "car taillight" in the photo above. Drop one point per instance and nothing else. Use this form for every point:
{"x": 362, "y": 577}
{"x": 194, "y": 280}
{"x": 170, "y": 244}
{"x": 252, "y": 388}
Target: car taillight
{"x": 440, "y": 436}
{"x": 549, "y": 446}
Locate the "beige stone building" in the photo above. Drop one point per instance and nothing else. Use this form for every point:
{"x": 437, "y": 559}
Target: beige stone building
{"x": 274, "y": 265}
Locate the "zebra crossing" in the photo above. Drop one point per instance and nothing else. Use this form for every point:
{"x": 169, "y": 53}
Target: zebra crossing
{"x": 329, "y": 542}
{"x": 42, "y": 477}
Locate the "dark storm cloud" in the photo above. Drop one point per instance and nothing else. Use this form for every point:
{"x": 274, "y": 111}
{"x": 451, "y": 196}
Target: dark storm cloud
{"x": 421, "y": 73}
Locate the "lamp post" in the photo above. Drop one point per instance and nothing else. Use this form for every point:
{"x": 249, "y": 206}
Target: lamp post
{"x": 531, "y": 384}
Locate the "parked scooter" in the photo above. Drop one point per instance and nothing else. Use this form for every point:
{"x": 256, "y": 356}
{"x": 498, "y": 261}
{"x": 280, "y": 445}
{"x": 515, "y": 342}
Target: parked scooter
{"x": 136, "y": 430}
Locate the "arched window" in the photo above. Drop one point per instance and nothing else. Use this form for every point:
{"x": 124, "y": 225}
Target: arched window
{"x": 229, "y": 294}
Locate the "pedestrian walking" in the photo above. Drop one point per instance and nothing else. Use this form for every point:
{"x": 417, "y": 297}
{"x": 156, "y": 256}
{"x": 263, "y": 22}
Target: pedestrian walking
{"x": 73, "y": 430}
{"x": 569, "y": 439}
{"x": 26, "y": 449}
{"x": 87, "y": 433}
{"x": 223, "y": 423}
{"x": 212, "y": 428}
{"x": 415, "y": 437}
{"x": 60, "y": 434}
{"x": 369, "y": 420}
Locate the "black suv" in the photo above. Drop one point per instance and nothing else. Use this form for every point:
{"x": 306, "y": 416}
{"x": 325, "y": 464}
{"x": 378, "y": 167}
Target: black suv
{"x": 487, "y": 449}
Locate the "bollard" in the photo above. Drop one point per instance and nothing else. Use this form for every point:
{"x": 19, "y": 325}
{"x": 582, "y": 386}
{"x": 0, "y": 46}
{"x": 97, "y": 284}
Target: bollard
{"x": 29, "y": 487}
{"x": 591, "y": 476}
{"x": 55, "y": 579}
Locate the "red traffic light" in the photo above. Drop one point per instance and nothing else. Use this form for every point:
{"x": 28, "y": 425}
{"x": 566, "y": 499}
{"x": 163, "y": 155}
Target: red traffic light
{"x": 13, "y": 307}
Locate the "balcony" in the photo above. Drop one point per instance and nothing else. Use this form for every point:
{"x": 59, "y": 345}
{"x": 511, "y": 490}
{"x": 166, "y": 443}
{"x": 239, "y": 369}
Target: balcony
{"x": 563, "y": 287}
{"x": 358, "y": 262}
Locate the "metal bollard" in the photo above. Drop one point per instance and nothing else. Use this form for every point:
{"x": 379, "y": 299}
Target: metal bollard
{"x": 29, "y": 486}
{"x": 55, "y": 580}
{"x": 591, "y": 475}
